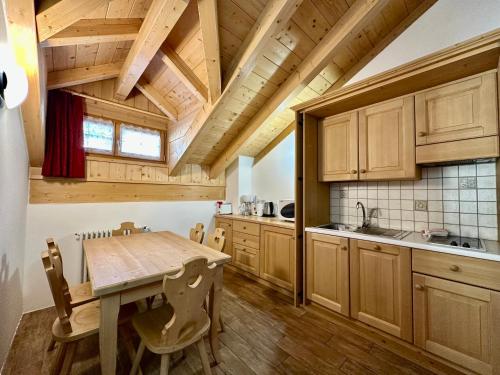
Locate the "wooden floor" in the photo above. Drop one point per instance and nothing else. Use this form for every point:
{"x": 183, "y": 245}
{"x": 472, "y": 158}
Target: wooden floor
{"x": 264, "y": 334}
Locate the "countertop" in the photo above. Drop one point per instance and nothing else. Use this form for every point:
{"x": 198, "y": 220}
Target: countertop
{"x": 417, "y": 241}
{"x": 260, "y": 220}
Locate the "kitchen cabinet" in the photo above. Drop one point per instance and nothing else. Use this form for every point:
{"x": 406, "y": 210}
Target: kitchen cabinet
{"x": 387, "y": 140}
{"x": 277, "y": 256}
{"x": 227, "y": 225}
{"x": 327, "y": 271}
{"x": 380, "y": 277}
{"x": 246, "y": 258}
{"x": 458, "y": 322}
{"x": 338, "y": 147}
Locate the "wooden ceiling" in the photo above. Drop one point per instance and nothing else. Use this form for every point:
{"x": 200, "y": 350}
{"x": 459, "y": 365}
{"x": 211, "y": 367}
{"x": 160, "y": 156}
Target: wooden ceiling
{"x": 224, "y": 72}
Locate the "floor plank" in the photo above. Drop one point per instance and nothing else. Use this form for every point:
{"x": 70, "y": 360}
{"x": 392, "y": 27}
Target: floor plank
{"x": 264, "y": 334}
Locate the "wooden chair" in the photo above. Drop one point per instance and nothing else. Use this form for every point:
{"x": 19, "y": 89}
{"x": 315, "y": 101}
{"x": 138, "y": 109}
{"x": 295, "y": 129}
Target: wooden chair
{"x": 73, "y": 323}
{"x": 75, "y": 295}
{"x": 181, "y": 322}
{"x": 126, "y": 229}
{"x": 217, "y": 240}
{"x": 196, "y": 234}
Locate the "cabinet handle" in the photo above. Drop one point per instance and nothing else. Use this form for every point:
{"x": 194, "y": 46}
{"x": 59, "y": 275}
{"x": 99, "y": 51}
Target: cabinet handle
{"x": 419, "y": 287}
{"x": 244, "y": 227}
{"x": 362, "y": 170}
{"x": 454, "y": 268}
{"x": 244, "y": 240}
{"x": 422, "y": 134}
{"x": 354, "y": 171}
{"x": 377, "y": 247}
{"x": 344, "y": 248}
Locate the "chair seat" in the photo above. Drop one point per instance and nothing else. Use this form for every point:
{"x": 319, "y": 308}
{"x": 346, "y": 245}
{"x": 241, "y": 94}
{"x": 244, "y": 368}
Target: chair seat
{"x": 149, "y": 326}
{"x": 85, "y": 321}
{"x": 81, "y": 293}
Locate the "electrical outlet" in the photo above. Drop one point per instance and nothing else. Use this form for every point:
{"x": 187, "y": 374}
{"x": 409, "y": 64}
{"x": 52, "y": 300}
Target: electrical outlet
{"x": 420, "y": 205}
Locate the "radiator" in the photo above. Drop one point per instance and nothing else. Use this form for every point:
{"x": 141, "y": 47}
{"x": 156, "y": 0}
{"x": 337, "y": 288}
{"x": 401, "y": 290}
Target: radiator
{"x": 88, "y": 236}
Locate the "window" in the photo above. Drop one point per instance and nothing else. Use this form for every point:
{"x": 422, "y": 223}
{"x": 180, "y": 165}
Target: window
{"x": 140, "y": 142}
{"x": 98, "y": 135}
{"x": 104, "y": 136}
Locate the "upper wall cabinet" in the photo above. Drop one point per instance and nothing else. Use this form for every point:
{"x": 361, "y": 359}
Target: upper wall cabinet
{"x": 338, "y": 147}
{"x": 460, "y": 115}
{"x": 387, "y": 140}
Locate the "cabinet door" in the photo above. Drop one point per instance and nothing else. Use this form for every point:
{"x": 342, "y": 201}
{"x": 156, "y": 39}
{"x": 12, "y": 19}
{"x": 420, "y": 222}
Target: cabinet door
{"x": 327, "y": 271}
{"x": 381, "y": 287}
{"x": 387, "y": 140}
{"x": 277, "y": 256}
{"x": 338, "y": 147}
{"x": 228, "y": 227}
{"x": 458, "y": 322}
{"x": 461, "y": 110}
{"x": 246, "y": 258}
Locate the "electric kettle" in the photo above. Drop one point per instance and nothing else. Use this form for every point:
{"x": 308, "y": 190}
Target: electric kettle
{"x": 268, "y": 209}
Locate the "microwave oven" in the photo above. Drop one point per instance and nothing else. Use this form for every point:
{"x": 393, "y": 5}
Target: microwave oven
{"x": 286, "y": 209}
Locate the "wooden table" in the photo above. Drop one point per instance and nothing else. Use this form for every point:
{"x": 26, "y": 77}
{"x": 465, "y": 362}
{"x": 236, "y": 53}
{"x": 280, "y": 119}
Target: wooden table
{"x": 129, "y": 268}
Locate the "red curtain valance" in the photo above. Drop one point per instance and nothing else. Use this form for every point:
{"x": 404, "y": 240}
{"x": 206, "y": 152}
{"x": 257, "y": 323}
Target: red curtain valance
{"x": 64, "y": 152}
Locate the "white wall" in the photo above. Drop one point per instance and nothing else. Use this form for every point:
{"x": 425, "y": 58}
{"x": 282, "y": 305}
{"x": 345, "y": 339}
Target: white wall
{"x": 62, "y": 221}
{"x": 447, "y": 22}
{"x": 13, "y": 200}
{"x": 273, "y": 177}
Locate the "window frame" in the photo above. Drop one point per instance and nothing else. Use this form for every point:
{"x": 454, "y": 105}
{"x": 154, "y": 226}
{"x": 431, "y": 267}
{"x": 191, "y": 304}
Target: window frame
{"x": 113, "y": 145}
{"x": 116, "y": 153}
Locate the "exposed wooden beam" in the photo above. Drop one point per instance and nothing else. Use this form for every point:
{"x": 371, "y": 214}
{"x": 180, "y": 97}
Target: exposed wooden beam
{"x": 21, "y": 31}
{"x": 77, "y": 76}
{"x": 276, "y": 141}
{"x": 183, "y": 72}
{"x": 159, "y": 22}
{"x": 94, "y": 31}
{"x": 358, "y": 15}
{"x": 150, "y": 92}
{"x": 56, "y": 16}
{"x": 209, "y": 25}
{"x": 275, "y": 14}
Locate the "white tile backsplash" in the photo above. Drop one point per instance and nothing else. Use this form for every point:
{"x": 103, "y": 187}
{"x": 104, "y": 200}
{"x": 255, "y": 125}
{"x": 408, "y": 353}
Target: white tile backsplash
{"x": 469, "y": 211}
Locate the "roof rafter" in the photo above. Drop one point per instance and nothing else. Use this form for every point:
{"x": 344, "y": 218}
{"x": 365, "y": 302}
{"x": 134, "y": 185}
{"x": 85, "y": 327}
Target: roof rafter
{"x": 159, "y": 22}
{"x": 185, "y": 74}
{"x": 55, "y": 18}
{"x": 358, "y": 15}
{"x": 99, "y": 30}
{"x": 276, "y": 13}
{"x": 77, "y": 76}
{"x": 209, "y": 24}
{"x": 150, "y": 92}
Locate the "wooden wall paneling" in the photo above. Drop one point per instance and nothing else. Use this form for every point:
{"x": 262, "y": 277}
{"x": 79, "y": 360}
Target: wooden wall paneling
{"x": 55, "y": 17}
{"x": 354, "y": 19}
{"x": 76, "y": 76}
{"x": 159, "y": 21}
{"x": 44, "y": 191}
{"x": 21, "y": 30}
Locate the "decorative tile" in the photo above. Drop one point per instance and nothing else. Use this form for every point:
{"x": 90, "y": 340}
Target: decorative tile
{"x": 421, "y": 216}
{"x": 451, "y": 218}
{"x": 406, "y": 215}
{"x": 394, "y": 194}
{"x": 436, "y": 217}
{"x": 434, "y": 172}
{"x": 435, "y": 183}
{"x": 383, "y": 194}
{"x": 420, "y": 205}
{"x": 407, "y": 205}
{"x": 468, "y": 231}
{"x": 435, "y": 195}
{"x": 467, "y": 183}
{"x": 394, "y": 204}
{"x": 406, "y": 194}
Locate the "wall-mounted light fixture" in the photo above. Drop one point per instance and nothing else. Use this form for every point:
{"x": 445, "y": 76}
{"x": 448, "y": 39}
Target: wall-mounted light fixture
{"x": 13, "y": 80}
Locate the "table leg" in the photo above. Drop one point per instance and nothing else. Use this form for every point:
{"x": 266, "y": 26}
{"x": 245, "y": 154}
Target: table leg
{"x": 215, "y": 306}
{"x": 108, "y": 333}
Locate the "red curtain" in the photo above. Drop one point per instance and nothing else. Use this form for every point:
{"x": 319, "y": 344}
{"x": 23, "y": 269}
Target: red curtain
{"x": 64, "y": 152}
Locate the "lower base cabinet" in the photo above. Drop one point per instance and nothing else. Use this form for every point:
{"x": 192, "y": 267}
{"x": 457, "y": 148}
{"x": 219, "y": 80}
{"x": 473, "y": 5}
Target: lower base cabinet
{"x": 327, "y": 270}
{"x": 458, "y": 322}
{"x": 246, "y": 258}
{"x": 380, "y": 277}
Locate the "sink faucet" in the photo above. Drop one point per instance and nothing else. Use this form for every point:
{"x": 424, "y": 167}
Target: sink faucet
{"x": 366, "y": 222}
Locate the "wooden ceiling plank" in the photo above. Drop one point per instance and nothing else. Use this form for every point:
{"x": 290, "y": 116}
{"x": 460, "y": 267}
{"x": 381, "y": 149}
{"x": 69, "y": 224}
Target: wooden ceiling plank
{"x": 150, "y": 92}
{"x": 209, "y": 25}
{"x": 352, "y": 21}
{"x": 95, "y": 31}
{"x": 62, "y": 14}
{"x": 76, "y": 76}
{"x": 183, "y": 72}
{"x": 159, "y": 22}
{"x": 21, "y": 31}
{"x": 276, "y": 13}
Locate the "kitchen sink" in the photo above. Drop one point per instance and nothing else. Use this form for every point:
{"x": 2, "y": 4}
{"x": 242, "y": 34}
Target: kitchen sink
{"x": 374, "y": 231}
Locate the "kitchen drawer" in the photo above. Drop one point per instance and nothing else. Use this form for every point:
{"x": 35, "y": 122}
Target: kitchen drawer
{"x": 479, "y": 272}
{"x": 247, "y": 240}
{"x": 246, "y": 258}
{"x": 246, "y": 227}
